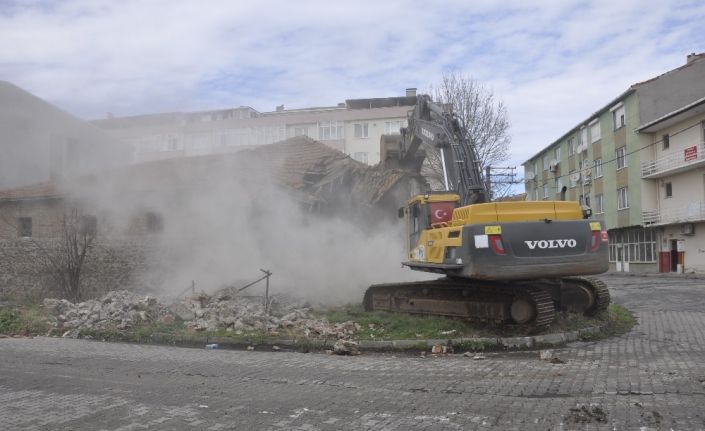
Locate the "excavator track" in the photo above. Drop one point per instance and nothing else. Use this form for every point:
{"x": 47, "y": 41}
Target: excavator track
{"x": 597, "y": 298}
{"x": 523, "y": 303}
{"x": 468, "y": 299}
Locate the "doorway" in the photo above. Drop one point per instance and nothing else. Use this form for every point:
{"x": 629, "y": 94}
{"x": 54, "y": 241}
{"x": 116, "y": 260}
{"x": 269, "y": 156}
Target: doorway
{"x": 674, "y": 255}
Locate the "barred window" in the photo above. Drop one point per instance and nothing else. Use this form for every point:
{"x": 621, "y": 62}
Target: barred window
{"x": 638, "y": 245}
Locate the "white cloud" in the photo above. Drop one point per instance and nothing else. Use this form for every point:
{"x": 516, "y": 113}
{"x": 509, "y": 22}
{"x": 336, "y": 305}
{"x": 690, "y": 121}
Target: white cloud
{"x": 553, "y": 63}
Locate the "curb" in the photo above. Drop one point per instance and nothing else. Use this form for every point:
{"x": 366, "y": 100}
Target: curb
{"x": 306, "y": 345}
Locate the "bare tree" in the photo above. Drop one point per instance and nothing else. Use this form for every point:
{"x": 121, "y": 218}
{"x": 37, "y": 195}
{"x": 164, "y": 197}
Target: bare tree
{"x": 68, "y": 258}
{"x": 483, "y": 117}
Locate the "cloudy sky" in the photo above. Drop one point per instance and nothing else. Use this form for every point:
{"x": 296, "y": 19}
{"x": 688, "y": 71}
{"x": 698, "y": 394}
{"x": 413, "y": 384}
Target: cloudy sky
{"x": 551, "y": 62}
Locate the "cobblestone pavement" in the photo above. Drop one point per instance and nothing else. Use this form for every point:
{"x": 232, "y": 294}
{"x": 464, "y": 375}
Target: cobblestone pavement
{"x": 651, "y": 378}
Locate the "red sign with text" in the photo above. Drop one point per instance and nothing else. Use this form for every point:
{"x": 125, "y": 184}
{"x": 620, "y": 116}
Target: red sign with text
{"x": 691, "y": 153}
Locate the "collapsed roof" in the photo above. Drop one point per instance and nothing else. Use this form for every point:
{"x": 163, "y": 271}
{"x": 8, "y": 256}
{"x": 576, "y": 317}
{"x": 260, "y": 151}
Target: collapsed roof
{"x": 319, "y": 177}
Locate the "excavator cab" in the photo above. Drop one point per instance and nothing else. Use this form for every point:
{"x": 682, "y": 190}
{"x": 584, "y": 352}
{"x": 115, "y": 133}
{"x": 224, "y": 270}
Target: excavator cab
{"x": 423, "y": 212}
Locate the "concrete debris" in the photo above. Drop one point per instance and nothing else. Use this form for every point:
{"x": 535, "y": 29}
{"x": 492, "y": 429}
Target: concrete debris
{"x": 346, "y": 347}
{"x": 474, "y": 357}
{"x": 123, "y": 310}
{"x": 548, "y": 355}
{"x": 118, "y": 309}
{"x": 437, "y": 349}
{"x": 584, "y": 414}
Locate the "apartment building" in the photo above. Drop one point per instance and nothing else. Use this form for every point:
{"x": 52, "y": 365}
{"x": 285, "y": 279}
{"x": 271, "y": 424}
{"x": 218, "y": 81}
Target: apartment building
{"x": 39, "y": 142}
{"x": 353, "y": 127}
{"x": 675, "y": 164}
{"x": 603, "y": 162}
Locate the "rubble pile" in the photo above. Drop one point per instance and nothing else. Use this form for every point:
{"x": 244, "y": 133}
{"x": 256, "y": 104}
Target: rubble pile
{"x": 118, "y": 309}
{"x": 123, "y": 310}
{"x": 242, "y": 314}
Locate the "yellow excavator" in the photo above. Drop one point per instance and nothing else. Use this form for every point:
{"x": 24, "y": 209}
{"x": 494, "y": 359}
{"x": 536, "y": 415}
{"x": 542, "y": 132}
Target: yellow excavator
{"x": 506, "y": 262}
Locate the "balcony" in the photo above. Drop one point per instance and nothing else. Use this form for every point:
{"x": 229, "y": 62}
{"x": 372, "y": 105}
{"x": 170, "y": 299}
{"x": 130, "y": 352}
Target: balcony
{"x": 679, "y": 161}
{"x": 692, "y": 212}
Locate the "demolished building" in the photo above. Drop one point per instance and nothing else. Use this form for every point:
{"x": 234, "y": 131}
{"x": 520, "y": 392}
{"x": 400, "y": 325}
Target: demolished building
{"x": 190, "y": 198}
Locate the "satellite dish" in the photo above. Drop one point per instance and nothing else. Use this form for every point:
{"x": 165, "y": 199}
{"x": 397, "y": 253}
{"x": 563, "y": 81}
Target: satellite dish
{"x": 575, "y": 177}
{"x": 529, "y": 176}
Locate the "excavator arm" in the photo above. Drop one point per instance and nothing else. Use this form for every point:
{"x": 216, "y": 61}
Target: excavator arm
{"x": 431, "y": 126}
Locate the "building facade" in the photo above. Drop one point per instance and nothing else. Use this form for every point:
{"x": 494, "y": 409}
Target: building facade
{"x": 39, "y": 142}
{"x": 675, "y": 165}
{"x": 601, "y": 162}
{"x": 353, "y": 127}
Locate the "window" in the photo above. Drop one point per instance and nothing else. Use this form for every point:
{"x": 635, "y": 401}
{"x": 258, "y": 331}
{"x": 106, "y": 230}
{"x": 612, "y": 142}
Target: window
{"x": 329, "y": 130}
{"x": 595, "y": 133}
{"x": 666, "y": 142}
{"x": 89, "y": 225}
{"x": 360, "y": 157}
{"x": 545, "y": 191}
{"x": 300, "y": 131}
{"x": 587, "y": 201}
{"x": 638, "y": 245}
{"x": 172, "y": 143}
{"x": 598, "y": 168}
{"x": 536, "y": 168}
{"x": 583, "y": 136}
{"x": 571, "y": 146}
{"x": 571, "y": 177}
{"x": 154, "y": 222}
{"x": 545, "y": 163}
{"x": 618, "y": 117}
{"x": 24, "y": 227}
{"x": 599, "y": 204}
{"x": 557, "y": 154}
{"x": 621, "y": 157}
{"x": 669, "y": 190}
{"x": 559, "y": 184}
{"x": 536, "y": 193}
{"x": 623, "y": 198}
{"x": 361, "y": 130}
{"x": 393, "y": 127}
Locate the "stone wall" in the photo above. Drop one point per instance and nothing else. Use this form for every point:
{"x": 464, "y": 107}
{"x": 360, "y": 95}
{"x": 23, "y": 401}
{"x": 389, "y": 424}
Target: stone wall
{"x": 26, "y": 273}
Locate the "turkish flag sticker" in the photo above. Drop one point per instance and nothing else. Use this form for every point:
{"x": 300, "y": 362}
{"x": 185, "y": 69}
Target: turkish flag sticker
{"x": 441, "y": 211}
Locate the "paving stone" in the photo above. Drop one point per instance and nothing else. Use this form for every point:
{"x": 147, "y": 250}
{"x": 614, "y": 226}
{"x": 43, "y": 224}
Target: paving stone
{"x": 649, "y": 379}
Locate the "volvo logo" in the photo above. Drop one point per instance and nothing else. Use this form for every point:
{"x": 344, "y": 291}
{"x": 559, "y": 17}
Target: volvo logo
{"x": 552, "y": 243}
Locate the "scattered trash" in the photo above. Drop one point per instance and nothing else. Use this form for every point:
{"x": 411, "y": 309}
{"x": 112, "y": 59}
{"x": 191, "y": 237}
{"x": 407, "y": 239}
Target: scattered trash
{"x": 202, "y": 406}
{"x": 250, "y": 348}
{"x": 556, "y": 360}
{"x": 437, "y": 349}
{"x": 212, "y": 346}
{"x": 451, "y": 332}
{"x": 276, "y": 348}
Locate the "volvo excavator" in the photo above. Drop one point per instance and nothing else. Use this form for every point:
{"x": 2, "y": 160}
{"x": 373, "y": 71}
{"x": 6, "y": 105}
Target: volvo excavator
{"x": 514, "y": 262}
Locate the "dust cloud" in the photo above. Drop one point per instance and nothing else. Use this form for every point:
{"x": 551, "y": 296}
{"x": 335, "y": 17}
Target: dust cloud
{"x": 223, "y": 222}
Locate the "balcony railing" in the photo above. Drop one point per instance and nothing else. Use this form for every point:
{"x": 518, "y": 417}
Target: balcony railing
{"x": 692, "y": 212}
{"x": 679, "y": 160}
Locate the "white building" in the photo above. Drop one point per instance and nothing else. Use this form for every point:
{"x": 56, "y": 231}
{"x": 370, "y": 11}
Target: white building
{"x": 676, "y": 163}
{"x": 353, "y": 127}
